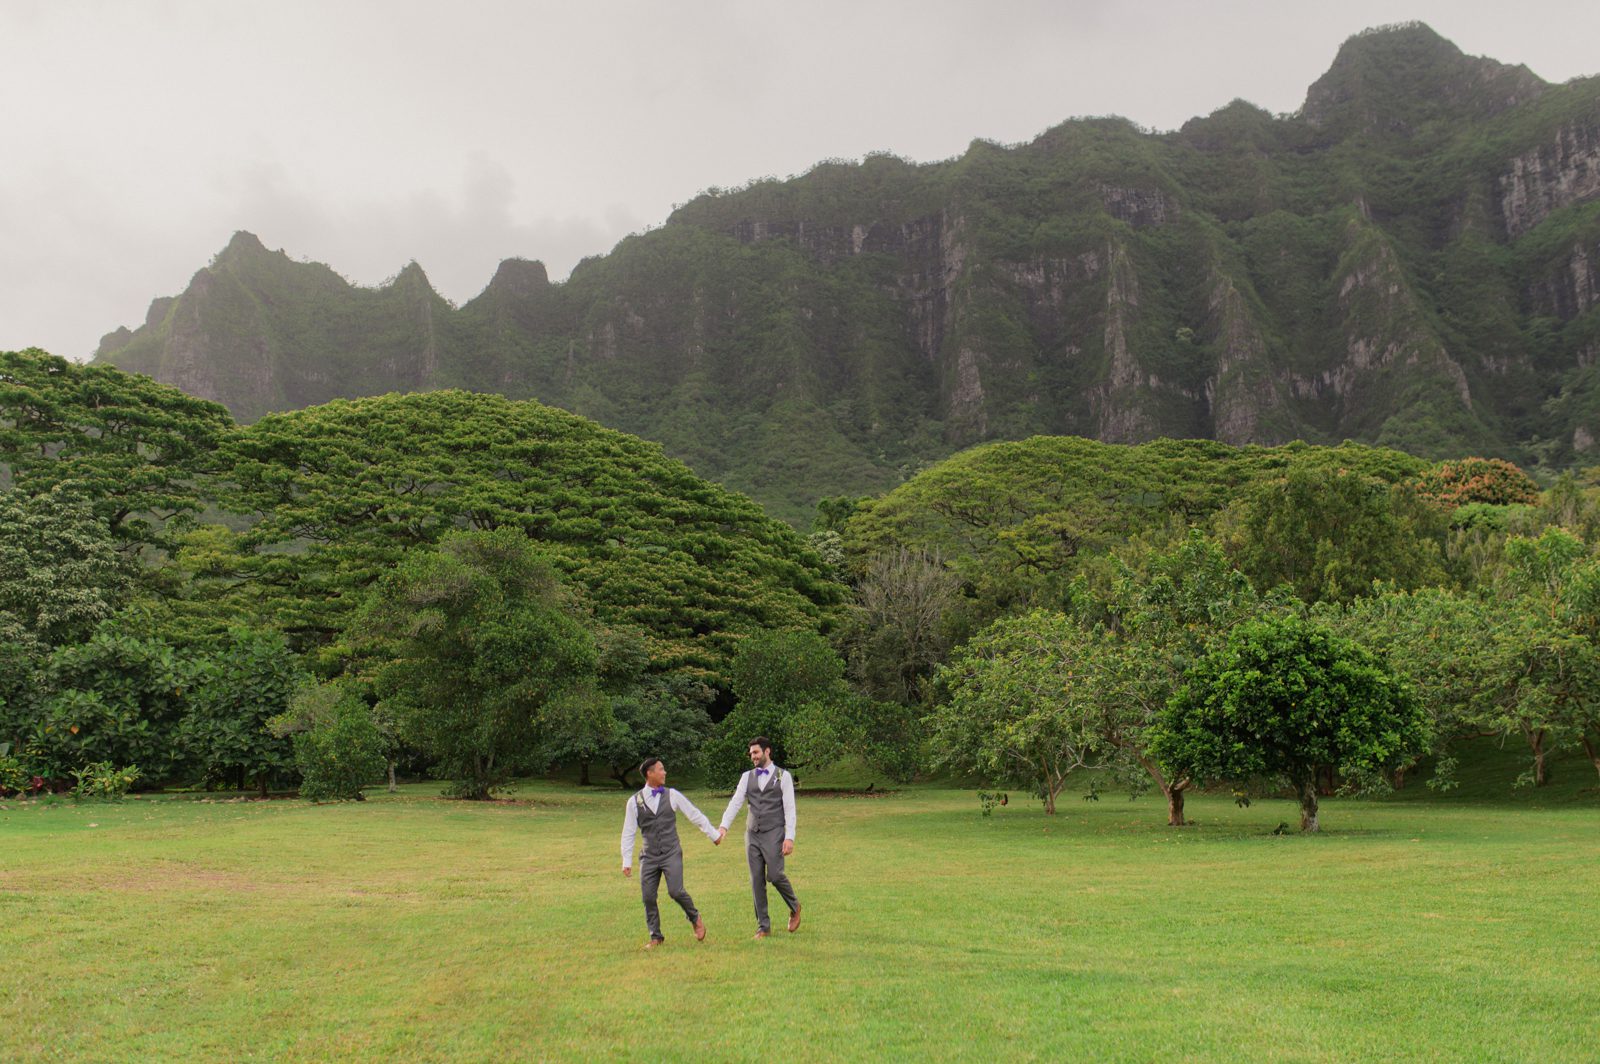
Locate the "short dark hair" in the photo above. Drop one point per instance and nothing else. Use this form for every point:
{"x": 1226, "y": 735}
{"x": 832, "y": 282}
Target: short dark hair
{"x": 647, "y": 764}
{"x": 761, "y": 741}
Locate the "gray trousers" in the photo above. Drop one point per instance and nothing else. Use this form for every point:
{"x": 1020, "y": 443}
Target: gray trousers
{"x": 650, "y": 872}
{"x": 765, "y": 852}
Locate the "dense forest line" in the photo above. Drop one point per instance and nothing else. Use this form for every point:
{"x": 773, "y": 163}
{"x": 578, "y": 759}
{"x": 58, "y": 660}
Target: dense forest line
{"x": 478, "y": 588}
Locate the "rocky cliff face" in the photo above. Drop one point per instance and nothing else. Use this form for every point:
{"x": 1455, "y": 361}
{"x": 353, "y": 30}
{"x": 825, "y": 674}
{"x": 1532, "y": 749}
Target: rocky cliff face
{"x": 1572, "y": 288}
{"x": 1413, "y": 260}
{"x": 1563, "y": 171}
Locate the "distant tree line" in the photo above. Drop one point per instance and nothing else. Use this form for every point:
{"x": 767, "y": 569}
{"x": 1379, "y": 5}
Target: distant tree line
{"x": 479, "y": 589}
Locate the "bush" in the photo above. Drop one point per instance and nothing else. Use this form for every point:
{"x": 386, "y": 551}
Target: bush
{"x": 238, "y": 687}
{"x": 341, "y": 752}
{"x": 103, "y": 780}
{"x": 117, "y": 698}
{"x": 14, "y": 777}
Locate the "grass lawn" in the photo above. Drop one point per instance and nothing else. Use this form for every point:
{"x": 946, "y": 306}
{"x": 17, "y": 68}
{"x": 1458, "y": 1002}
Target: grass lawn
{"x": 411, "y": 927}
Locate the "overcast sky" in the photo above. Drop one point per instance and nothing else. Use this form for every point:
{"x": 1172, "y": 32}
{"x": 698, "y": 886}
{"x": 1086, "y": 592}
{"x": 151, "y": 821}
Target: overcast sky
{"x": 136, "y": 136}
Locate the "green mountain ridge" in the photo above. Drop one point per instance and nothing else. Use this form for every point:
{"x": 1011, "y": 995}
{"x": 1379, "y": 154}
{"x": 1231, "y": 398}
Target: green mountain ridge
{"x": 1411, "y": 260}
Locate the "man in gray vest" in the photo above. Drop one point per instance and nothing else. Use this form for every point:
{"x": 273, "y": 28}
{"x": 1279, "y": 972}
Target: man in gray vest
{"x": 768, "y": 831}
{"x": 653, "y": 814}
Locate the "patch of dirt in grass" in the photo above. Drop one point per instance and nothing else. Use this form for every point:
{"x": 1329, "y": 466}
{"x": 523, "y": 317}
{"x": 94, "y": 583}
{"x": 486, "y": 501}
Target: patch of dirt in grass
{"x": 169, "y": 877}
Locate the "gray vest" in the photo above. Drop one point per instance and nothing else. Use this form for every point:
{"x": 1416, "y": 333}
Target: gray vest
{"x": 766, "y": 806}
{"x": 659, "y": 829}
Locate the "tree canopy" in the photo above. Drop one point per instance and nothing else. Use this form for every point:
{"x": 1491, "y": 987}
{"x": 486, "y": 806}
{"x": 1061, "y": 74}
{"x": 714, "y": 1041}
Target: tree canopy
{"x": 1019, "y": 522}
{"x": 1283, "y": 699}
{"x": 1026, "y": 704}
{"x": 342, "y": 491}
{"x": 133, "y": 446}
{"x": 1328, "y": 534}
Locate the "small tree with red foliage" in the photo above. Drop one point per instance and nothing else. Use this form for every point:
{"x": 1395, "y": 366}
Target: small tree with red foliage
{"x": 1490, "y": 480}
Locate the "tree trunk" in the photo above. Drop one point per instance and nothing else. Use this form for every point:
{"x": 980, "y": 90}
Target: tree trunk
{"x": 1400, "y": 778}
{"x": 583, "y": 773}
{"x": 1308, "y": 805}
{"x": 480, "y": 778}
{"x": 1536, "y": 744}
{"x": 392, "y": 785}
{"x": 1172, "y": 791}
{"x": 1050, "y": 791}
{"x": 262, "y": 779}
{"x": 1592, "y": 750}
{"x": 1175, "y": 806}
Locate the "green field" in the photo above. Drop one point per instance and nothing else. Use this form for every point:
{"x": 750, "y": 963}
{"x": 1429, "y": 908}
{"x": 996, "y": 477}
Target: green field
{"x": 416, "y": 928}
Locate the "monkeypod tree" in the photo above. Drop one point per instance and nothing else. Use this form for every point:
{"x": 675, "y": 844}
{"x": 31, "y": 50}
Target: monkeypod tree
{"x": 134, "y": 448}
{"x": 341, "y": 492}
{"x": 1328, "y": 534}
{"x": 1284, "y": 699}
{"x": 1018, "y": 522}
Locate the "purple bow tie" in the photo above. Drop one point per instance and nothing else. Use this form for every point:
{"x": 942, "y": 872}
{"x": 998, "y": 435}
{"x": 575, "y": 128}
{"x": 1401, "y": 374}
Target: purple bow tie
{"x": 657, "y": 790}
{"x": 761, "y": 772}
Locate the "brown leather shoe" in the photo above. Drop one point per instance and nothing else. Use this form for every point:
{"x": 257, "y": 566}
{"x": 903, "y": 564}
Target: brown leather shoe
{"x": 761, "y": 934}
{"x": 654, "y": 942}
{"x": 794, "y": 919}
{"x": 699, "y": 930}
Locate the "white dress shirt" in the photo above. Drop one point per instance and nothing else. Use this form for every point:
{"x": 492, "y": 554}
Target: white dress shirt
{"x": 787, "y": 783}
{"x": 630, "y": 820}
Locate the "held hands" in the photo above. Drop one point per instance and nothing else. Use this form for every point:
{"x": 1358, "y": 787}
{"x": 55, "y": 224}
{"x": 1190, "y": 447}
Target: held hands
{"x": 788, "y": 847}
{"x": 722, "y": 833}
{"x": 627, "y": 870}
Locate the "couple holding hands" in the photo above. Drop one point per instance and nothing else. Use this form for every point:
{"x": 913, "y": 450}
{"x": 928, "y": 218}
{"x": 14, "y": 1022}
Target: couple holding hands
{"x": 769, "y": 838}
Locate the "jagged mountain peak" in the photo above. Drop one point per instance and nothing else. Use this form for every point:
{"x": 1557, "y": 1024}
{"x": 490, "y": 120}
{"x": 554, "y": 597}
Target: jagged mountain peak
{"x": 1390, "y": 79}
{"x": 1409, "y": 261}
{"x": 519, "y": 277}
{"x": 243, "y": 241}
{"x": 245, "y": 247}
{"x": 1237, "y": 123}
{"x": 412, "y": 276}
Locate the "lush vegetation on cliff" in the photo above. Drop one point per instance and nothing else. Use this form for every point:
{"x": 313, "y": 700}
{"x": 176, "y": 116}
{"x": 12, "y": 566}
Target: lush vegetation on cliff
{"x": 1407, "y": 261}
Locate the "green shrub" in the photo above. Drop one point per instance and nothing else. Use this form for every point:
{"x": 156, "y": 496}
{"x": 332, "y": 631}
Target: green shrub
{"x": 341, "y": 752}
{"x": 103, "y": 780}
{"x": 14, "y": 777}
